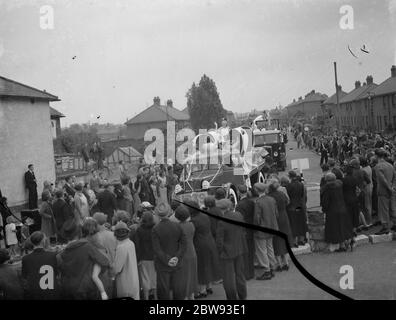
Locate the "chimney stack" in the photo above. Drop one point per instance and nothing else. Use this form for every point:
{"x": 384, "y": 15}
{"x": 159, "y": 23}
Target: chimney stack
{"x": 357, "y": 84}
{"x": 157, "y": 101}
{"x": 369, "y": 80}
{"x": 299, "y": 98}
{"x": 169, "y": 103}
{"x": 339, "y": 88}
{"x": 393, "y": 71}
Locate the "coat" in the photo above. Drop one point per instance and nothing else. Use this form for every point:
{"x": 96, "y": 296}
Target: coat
{"x": 10, "y": 282}
{"x": 205, "y": 246}
{"x": 283, "y": 223}
{"x": 230, "y": 239}
{"x": 190, "y": 266}
{"x": 76, "y": 263}
{"x": 32, "y": 274}
{"x": 30, "y": 180}
{"x": 107, "y": 203}
{"x": 337, "y": 226}
{"x": 246, "y": 207}
{"x": 126, "y": 271}
{"x": 62, "y": 212}
{"x": 168, "y": 241}
{"x": 349, "y": 187}
{"x": 144, "y": 243}
{"x": 296, "y": 208}
{"x": 265, "y": 215}
{"x": 213, "y": 221}
{"x": 48, "y": 225}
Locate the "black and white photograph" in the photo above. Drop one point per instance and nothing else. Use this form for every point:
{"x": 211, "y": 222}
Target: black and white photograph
{"x": 218, "y": 151}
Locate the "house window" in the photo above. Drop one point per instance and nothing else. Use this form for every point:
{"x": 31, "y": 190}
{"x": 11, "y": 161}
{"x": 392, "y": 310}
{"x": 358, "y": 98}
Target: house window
{"x": 394, "y": 100}
{"x": 384, "y": 101}
{"x": 385, "y": 122}
{"x": 394, "y": 121}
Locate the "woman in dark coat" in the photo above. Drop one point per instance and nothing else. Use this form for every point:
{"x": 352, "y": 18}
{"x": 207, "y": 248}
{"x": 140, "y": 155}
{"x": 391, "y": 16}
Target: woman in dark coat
{"x": 207, "y": 255}
{"x": 48, "y": 225}
{"x": 210, "y": 206}
{"x": 337, "y": 226}
{"x": 279, "y": 244}
{"x": 296, "y": 209}
{"x": 349, "y": 186}
{"x": 190, "y": 269}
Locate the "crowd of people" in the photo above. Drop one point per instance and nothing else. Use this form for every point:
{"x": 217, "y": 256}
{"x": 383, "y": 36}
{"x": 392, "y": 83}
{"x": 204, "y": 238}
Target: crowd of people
{"x": 101, "y": 240}
{"x": 358, "y": 187}
{"x": 133, "y": 239}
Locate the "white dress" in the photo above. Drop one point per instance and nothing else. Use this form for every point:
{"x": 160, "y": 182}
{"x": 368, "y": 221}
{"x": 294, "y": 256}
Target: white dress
{"x": 163, "y": 191}
{"x": 10, "y": 230}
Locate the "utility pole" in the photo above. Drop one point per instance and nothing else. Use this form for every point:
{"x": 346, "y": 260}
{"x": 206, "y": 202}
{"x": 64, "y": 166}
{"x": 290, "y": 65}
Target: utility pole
{"x": 336, "y": 85}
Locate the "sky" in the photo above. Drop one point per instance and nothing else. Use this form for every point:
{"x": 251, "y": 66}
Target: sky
{"x": 260, "y": 53}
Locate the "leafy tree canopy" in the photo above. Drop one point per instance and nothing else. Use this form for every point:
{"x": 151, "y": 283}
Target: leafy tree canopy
{"x": 204, "y": 104}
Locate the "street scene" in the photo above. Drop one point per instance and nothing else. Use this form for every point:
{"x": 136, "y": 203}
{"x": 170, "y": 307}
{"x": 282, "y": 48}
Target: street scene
{"x": 197, "y": 150}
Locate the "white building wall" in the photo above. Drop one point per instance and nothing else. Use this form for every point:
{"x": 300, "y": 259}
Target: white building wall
{"x": 25, "y": 137}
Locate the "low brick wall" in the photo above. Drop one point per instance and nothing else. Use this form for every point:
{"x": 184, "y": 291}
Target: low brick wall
{"x": 316, "y": 230}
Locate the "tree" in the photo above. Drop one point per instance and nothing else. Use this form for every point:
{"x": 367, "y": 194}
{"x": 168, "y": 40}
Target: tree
{"x": 204, "y": 105}
{"x": 74, "y": 137}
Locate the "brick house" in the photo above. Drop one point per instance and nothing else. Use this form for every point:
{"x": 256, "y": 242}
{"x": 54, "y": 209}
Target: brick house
{"x": 310, "y": 105}
{"x": 329, "y": 106}
{"x": 381, "y": 104}
{"x": 156, "y": 116}
{"x": 353, "y": 113}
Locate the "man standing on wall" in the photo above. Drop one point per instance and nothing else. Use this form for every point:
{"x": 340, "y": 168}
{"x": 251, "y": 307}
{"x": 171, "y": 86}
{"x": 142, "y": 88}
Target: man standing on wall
{"x": 31, "y": 185}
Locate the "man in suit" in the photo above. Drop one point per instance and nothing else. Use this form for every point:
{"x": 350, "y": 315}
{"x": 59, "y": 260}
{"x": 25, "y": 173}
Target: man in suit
{"x": 107, "y": 202}
{"x": 324, "y": 152}
{"x": 231, "y": 245}
{"x": 31, "y": 185}
{"x": 62, "y": 213}
{"x": 39, "y": 271}
{"x": 169, "y": 245}
{"x": 246, "y": 207}
{"x": 265, "y": 215}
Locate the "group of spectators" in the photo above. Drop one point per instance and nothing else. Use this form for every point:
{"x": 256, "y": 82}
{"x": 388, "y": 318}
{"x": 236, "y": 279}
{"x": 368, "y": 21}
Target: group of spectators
{"x": 99, "y": 241}
{"x": 354, "y": 194}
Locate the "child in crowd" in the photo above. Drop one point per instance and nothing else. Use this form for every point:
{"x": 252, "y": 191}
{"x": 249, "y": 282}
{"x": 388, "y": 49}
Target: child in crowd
{"x": 11, "y": 235}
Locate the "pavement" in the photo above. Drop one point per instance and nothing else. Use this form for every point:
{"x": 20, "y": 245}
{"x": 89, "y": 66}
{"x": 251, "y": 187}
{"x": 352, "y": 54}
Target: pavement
{"x": 373, "y": 265}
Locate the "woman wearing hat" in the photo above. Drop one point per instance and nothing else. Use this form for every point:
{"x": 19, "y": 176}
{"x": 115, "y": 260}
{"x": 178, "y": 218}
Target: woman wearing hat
{"x": 190, "y": 259}
{"x": 125, "y": 264}
{"x": 338, "y": 226}
{"x": 296, "y": 209}
{"x": 47, "y": 215}
{"x": 280, "y": 249}
{"x": 145, "y": 255}
{"x": 207, "y": 255}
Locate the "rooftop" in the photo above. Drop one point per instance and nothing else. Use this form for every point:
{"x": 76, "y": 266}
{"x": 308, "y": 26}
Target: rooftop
{"x": 358, "y": 93}
{"x": 55, "y": 113}
{"x": 333, "y": 98}
{"x": 159, "y": 113}
{"x": 11, "y": 88}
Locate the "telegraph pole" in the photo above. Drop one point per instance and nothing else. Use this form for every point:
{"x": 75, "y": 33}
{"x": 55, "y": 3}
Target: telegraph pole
{"x": 336, "y": 85}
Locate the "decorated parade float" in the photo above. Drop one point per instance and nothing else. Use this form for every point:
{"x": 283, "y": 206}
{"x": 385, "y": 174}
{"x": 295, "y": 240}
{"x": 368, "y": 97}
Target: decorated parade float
{"x": 243, "y": 155}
